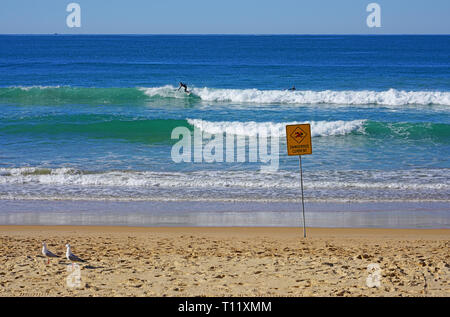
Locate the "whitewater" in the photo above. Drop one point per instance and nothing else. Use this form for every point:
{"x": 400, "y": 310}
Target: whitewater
{"x": 391, "y": 97}
{"x": 277, "y": 129}
{"x": 105, "y": 95}
{"x": 68, "y": 183}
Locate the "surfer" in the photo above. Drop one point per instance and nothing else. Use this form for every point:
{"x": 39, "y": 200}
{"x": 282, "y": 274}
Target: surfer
{"x": 183, "y": 85}
{"x": 292, "y": 89}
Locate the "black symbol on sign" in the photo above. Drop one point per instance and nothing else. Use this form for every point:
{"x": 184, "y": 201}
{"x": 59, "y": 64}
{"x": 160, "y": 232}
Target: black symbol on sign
{"x": 298, "y": 135}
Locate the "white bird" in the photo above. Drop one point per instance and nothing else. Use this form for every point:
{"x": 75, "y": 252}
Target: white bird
{"x": 72, "y": 257}
{"x": 47, "y": 253}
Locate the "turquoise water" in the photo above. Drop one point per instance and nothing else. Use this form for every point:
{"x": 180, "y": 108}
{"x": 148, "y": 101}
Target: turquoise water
{"x": 90, "y": 117}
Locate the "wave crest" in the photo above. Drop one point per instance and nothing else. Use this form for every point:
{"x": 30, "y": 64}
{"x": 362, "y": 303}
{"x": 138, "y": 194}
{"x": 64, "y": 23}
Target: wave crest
{"x": 58, "y": 94}
{"x": 251, "y": 128}
{"x": 391, "y": 97}
{"x": 402, "y": 179}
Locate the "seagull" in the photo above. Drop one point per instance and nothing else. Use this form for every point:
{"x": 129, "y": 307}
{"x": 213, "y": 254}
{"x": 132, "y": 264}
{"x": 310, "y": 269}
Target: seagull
{"x": 72, "y": 257}
{"x": 47, "y": 253}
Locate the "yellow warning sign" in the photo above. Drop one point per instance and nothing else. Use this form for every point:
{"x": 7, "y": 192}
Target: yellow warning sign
{"x": 298, "y": 138}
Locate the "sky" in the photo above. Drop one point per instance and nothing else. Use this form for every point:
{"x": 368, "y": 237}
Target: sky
{"x": 225, "y": 17}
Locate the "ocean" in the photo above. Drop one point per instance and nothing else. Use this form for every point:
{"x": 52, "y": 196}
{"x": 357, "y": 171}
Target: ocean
{"x": 88, "y": 119}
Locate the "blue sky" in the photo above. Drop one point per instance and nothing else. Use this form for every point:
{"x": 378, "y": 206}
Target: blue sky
{"x": 225, "y": 17}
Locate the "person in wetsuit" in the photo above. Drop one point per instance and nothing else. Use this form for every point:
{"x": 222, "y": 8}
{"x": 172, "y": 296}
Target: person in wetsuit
{"x": 292, "y": 89}
{"x": 183, "y": 85}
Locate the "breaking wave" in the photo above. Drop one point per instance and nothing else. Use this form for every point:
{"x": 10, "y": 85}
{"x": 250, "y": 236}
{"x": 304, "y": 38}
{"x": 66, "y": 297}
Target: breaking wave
{"x": 390, "y": 97}
{"x": 318, "y": 128}
{"x": 141, "y": 95}
{"x": 70, "y": 183}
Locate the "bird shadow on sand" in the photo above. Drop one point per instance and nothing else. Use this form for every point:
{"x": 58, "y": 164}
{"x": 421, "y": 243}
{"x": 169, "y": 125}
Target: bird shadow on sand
{"x": 91, "y": 267}
{"x": 88, "y": 266}
{"x": 62, "y": 262}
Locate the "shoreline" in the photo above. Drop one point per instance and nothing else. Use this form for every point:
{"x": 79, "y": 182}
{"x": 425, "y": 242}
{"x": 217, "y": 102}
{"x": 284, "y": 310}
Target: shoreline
{"x": 290, "y": 230}
{"x": 433, "y": 215}
{"x": 225, "y": 261}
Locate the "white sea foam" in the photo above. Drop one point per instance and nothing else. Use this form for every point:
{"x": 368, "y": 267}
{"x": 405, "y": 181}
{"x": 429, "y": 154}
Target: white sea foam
{"x": 251, "y": 128}
{"x": 27, "y": 88}
{"x": 397, "y": 180}
{"x": 391, "y": 97}
{"x": 69, "y": 184}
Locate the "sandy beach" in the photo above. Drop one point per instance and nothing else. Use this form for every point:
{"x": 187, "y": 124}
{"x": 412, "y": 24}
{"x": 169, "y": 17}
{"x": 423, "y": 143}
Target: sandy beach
{"x": 138, "y": 261}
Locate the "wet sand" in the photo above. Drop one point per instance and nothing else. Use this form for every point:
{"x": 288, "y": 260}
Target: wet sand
{"x": 225, "y": 261}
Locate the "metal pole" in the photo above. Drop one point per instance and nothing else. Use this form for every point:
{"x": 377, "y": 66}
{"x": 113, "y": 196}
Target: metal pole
{"x": 303, "y": 201}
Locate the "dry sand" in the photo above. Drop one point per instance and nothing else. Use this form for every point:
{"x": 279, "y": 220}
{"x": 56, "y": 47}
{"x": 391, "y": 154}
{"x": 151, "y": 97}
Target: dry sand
{"x": 128, "y": 261}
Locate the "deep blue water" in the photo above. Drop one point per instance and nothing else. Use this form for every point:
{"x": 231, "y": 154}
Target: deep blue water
{"x": 262, "y": 62}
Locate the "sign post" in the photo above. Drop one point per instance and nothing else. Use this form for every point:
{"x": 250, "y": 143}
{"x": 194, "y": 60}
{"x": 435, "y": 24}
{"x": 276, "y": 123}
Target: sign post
{"x": 298, "y": 140}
